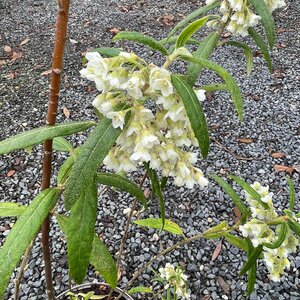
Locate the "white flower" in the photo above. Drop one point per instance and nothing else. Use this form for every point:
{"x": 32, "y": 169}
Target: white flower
{"x": 134, "y": 85}
{"x": 160, "y": 80}
{"x": 117, "y": 117}
{"x": 200, "y": 95}
{"x": 141, "y": 154}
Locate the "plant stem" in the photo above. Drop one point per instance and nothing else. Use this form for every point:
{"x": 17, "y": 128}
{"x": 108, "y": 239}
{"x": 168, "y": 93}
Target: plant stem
{"x": 57, "y": 63}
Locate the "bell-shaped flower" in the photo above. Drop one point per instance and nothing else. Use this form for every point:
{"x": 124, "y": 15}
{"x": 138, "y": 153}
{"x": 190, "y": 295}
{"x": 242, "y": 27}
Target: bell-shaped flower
{"x": 117, "y": 117}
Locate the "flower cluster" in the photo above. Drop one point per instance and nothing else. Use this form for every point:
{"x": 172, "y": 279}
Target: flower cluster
{"x": 176, "y": 279}
{"x": 238, "y": 15}
{"x": 261, "y": 233}
{"x": 158, "y": 136}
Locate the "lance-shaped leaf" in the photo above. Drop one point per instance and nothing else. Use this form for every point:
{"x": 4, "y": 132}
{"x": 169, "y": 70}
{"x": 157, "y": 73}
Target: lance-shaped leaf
{"x": 38, "y": 135}
{"x": 141, "y": 38}
{"x": 196, "y": 13}
{"x": 216, "y": 231}
{"x": 194, "y": 112}
{"x": 214, "y": 87}
{"x": 247, "y": 52}
{"x": 23, "y": 232}
{"x": 262, "y": 45}
{"x": 61, "y": 144}
{"x": 236, "y": 241}
{"x": 252, "y": 271}
{"x": 292, "y": 193}
{"x": 189, "y": 31}
{"x": 140, "y": 289}
{"x": 173, "y": 39}
{"x": 281, "y": 237}
{"x": 157, "y": 224}
{"x": 233, "y": 195}
{"x": 254, "y": 255}
{"x": 123, "y": 184}
{"x": 294, "y": 226}
{"x": 204, "y": 51}
{"x": 251, "y": 191}
{"x": 91, "y": 154}
{"x": 10, "y": 209}
{"x": 163, "y": 182}
{"x": 263, "y": 10}
{"x": 100, "y": 257}
{"x": 230, "y": 82}
{"x": 81, "y": 229}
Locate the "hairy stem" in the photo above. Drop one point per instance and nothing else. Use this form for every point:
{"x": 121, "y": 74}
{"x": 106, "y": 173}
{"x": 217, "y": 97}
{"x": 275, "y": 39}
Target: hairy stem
{"x": 57, "y": 64}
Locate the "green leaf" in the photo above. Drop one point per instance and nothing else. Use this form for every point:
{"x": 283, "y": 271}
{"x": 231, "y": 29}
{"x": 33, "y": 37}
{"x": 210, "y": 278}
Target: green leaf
{"x": 281, "y": 237}
{"x": 204, "y": 51}
{"x": 251, "y": 191}
{"x": 61, "y": 144}
{"x": 100, "y": 257}
{"x": 294, "y": 226}
{"x": 247, "y": 52}
{"x": 81, "y": 229}
{"x": 157, "y": 190}
{"x": 262, "y": 45}
{"x": 267, "y": 20}
{"x": 189, "y": 31}
{"x": 214, "y": 87}
{"x": 292, "y": 193}
{"x": 10, "y": 209}
{"x": 232, "y": 194}
{"x": 23, "y": 232}
{"x": 196, "y": 13}
{"x": 38, "y": 135}
{"x": 194, "y": 112}
{"x": 236, "y": 241}
{"x": 252, "y": 259}
{"x": 216, "y": 231}
{"x": 91, "y": 154}
{"x": 123, "y": 184}
{"x": 157, "y": 224}
{"x": 143, "y": 39}
{"x": 163, "y": 182}
{"x": 251, "y": 272}
{"x": 173, "y": 39}
{"x": 140, "y": 289}
{"x": 230, "y": 82}
{"x": 65, "y": 170}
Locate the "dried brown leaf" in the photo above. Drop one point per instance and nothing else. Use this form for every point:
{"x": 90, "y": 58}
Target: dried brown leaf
{"x": 12, "y": 75}
{"x": 217, "y": 251}
{"x": 237, "y": 214}
{"x": 7, "y": 49}
{"x": 286, "y": 169}
{"x": 224, "y": 285}
{"x": 246, "y": 140}
{"x": 114, "y": 31}
{"x": 297, "y": 168}
{"x": 16, "y": 55}
{"x": 2, "y": 62}
{"x": 167, "y": 20}
{"x": 46, "y": 73}
{"x": 10, "y": 173}
{"x": 66, "y": 112}
{"x": 24, "y": 42}
{"x": 278, "y": 155}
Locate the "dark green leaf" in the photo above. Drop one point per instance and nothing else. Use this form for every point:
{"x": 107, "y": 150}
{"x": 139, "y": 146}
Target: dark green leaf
{"x": 157, "y": 224}
{"x": 196, "y": 13}
{"x": 254, "y": 255}
{"x": 189, "y": 31}
{"x": 262, "y": 45}
{"x": 280, "y": 239}
{"x": 123, "y": 184}
{"x": 38, "y": 135}
{"x": 143, "y": 39}
{"x": 173, "y": 39}
{"x": 81, "y": 229}
{"x": 294, "y": 226}
{"x": 61, "y": 144}
{"x": 267, "y": 20}
{"x": 216, "y": 231}
{"x": 251, "y": 272}
{"x": 140, "y": 289}
{"x": 194, "y": 112}
{"x": 292, "y": 193}
{"x": 23, "y": 232}
{"x": 10, "y": 209}
{"x": 91, "y": 154}
{"x": 204, "y": 51}
{"x": 214, "y": 87}
{"x": 163, "y": 182}
{"x": 236, "y": 241}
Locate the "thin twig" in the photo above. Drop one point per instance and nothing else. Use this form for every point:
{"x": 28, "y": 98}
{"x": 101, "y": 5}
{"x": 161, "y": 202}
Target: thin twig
{"x": 19, "y": 279}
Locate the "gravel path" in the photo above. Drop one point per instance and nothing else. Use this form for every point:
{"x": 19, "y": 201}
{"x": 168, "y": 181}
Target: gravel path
{"x": 271, "y": 120}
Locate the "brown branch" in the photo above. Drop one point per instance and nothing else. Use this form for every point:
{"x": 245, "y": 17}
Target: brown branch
{"x": 57, "y": 64}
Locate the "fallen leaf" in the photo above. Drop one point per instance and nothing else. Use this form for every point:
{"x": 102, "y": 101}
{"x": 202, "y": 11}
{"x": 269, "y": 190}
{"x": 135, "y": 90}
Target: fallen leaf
{"x": 280, "y": 30}
{"x": 10, "y": 173}
{"x": 286, "y": 169}
{"x": 237, "y": 214}
{"x": 255, "y": 97}
{"x": 209, "y": 96}
{"x": 12, "y": 75}
{"x": 16, "y": 55}
{"x": 226, "y": 34}
{"x": 246, "y": 140}
{"x": 24, "y": 42}
{"x": 90, "y": 89}
{"x": 206, "y": 297}
{"x": 217, "y": 251}
{"x": 66, "y": 112}
{"x": 46, "y": 73}
{"x": 281, "y": 45}
{"x": 224, "y": 285}
{"x": 297, "y": 168}
{"x": 7, "y": 49}
{"x": 114, "y": 31}
{"x": 276, "y": 87}
{"x": 73, "y": 41}
{"x": 147, "y": 193}
{"x": 2, "y": 62}
{"x": 167, "y": 20}
{"x": 214, "y": 127}
{"x": 278, "y": 155}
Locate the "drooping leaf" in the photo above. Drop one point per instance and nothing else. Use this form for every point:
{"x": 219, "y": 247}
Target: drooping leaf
{"x": 216, "y": 231}
{"x": 267, "y": 20}
{"x": 204, "y": 51}
{"x": 123, "y": 184}
{"x": 140, "y": 289}
{"x": 247, "y": 52}
{"x": 38, "y": 135}
{"x": 262, "y": 45}
{"x": 10, "y": 209}
{"x": 23, "y": 232}
{"x": 194, "y": 112}
{"x": 214, "y": 87}
{"x": 232, "y": 194}
{"x": 280, "y": 238}
{"x": 252, "y": 271}
{"x": 254, "y": 255}
{"x": 236, "y": 241}
{"x": 292, "y": 193}
{"x": 61, "y": 144}
{"x": 173, "y": 39}
{"x": 91, "y": 154}
{"x": 100, "y": 257}
{"x": 143, "y": 39}
{"x": 81, "y": 229}
{"x": 196, "y": 13}
{"x": 189, "y": 31}
{"x": 294, "y": 226}
{"x": 157, "y": 224}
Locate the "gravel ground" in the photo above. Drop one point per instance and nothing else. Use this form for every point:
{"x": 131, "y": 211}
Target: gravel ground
{"x": 271, "y": 119}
